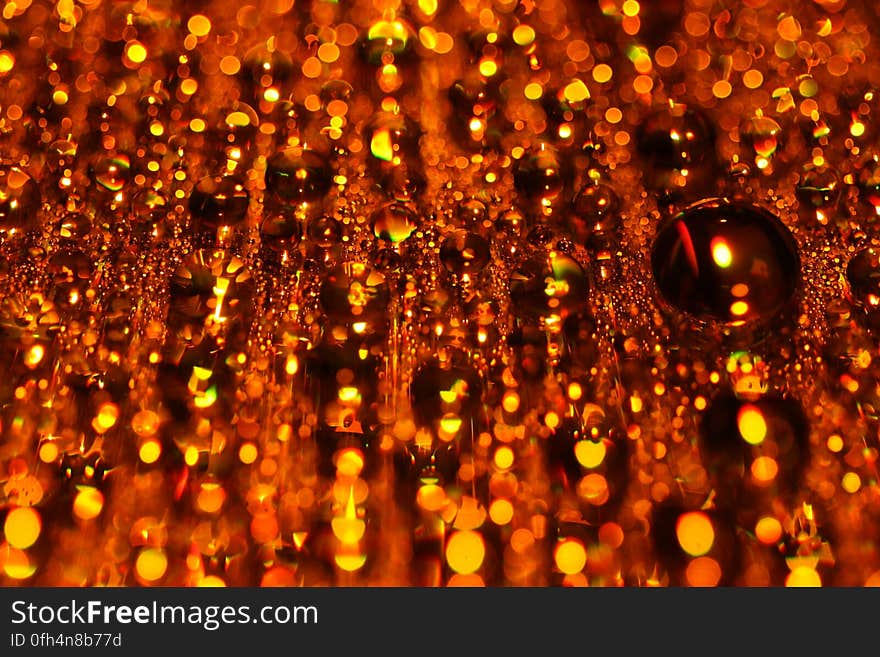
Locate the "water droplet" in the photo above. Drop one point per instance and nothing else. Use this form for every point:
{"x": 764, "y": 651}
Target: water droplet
{"x": 678, "y": 145}
{"x": 211, "y": 283}
{"x": 325, "y": 232}
{"x": 464, "y": 253}
{"x": 863, "y": 276}
{"x": 297, "y": 176}
{"x": 869, "y": 183}
{"x": 387, "y": 37}
{"x": 553, "y": 285}
{"x": 112, "y": 173}
{"x": 594, "y": 210}
{"x": 19, "y": 199}
{"x": 819, "y": 189}
{"x": 149, "y": 205}
{"x": 538, "y": 175}
{"x": 730, "y": 262}
{"x": 393, "y": 223}
{"x": 219, "y": 201}
{"x": 762, "y": 134}
{"x": 355, "y": 293}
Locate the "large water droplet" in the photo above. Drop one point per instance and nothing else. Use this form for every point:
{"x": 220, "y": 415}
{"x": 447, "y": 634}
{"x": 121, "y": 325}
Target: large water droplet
{"x": 353, "y": 292}
{"x": 730, "y": 262}
{"x": 394, "y": 223}
{"x": 219, "y": 201}
{"x": 555, "y": 285}
{"x": 863, "y": 276}
{"x": 464, "y": 253}
{"x": 297, "y": 176}
{"x": 213, "y": 283}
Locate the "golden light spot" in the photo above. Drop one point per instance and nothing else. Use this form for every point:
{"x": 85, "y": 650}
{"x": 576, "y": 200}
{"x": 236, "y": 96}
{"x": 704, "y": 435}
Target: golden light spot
{"x": 803, "y": 576}
{"x": 789, "y": 28}
{"x": 551, "y": 419}
{"x": 834, "y": 443}
{"x": 350, "y": 462}
{"x": 666, "y": 56}
{"x": 703, "y": 572}
{"x": 533, "y": 91}
{"x": 593, "y": 488}
{"x": 107, "y": 415}
{"x": 643, "y": 84}
{"x": 16, "y": 563}
{"x": 510, "y": 401}
{"x": 150, "y": 451}
{"x": 381, "y": 146}
{"x": 22, "y": 527}
{"x": 191, "y": 455}
{"x": 630, "y": 8}
{"x": 48, "y": 452}
{"x": 151, "y": 564}
{"x": 695, "y": 533}
{"x": 465, "y": 551}
{"x": 576, "y": 91}
{"x": 211, "y": 497}
{"x": 611, "y": 534}
{"x": 589, "y": 454}
{"x": 753, "y": 78}
{"x": 136, "y": 52}
{"x": 523, "y": 35}
{"x": 199, "y": 25}
{"x": 739, "y": 308}
{"x": 88, "y": 504}
{"x": 312, "y": 67}
{"x": 851, "y": 482}
{"x": 328, "y": 52}
{"x": 211, "y": 581}
{"x": 33, "y": 356}
{"x": 445, "y": 43}
{"x": 602, "y": 73}
{"x": 431, "y": 497}
{"x": 349, "y": 529}
{"x": 721, "y": 253}
{"x": 7, "y": 61}
{"x": 570, "y": 556}
{"x": 722, "y": 89}
{"x": 764, "y": 469}
{"x": 501, "y": 511}
{"x": 768, "y": 530}
{"x": 503, "y": 457}
{"x": 230, "y": 65}
{"x": 59, "y": 97}
{"x": 751, "y": 424}
{"x": 613, "y": 115}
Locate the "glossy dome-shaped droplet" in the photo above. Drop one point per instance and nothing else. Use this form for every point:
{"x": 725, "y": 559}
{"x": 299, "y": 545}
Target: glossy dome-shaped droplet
{"x": 863, "y": 276}
{"x": 818, "y": 189}
{"x": 392, "y": 138}
{"x": 676, "y": 138}
{"x": 112, "y": 173}
{"x": 595, "y": 209}
{"x": 149, "y": 205}
{"x": 464, "y": 253}
{"x": 211, "y": 283}
{"x": 728, "y": 262}
{"x": 538, "y": 175}
{"x": 324, "y": 232}
{"x": 763, "y": 135}
{"x": 19, "y": 199}
{"x": 297, "y": 176}
{"x": 354, "y": 292}
{"x": 219, "y": 201}
{"x": 554, "y": 285}
{"x": 394, "y": 223}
